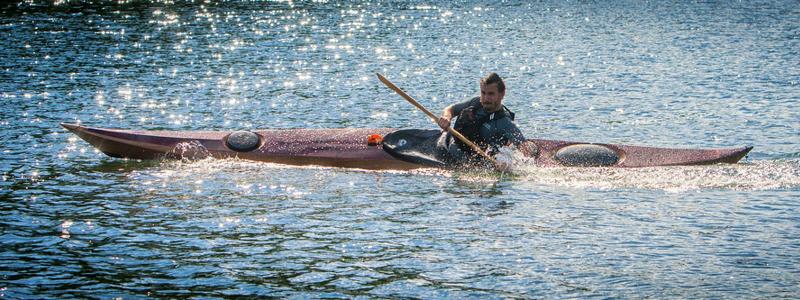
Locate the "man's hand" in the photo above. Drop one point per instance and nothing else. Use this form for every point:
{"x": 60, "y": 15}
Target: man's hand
{"x": 444, "y": 123}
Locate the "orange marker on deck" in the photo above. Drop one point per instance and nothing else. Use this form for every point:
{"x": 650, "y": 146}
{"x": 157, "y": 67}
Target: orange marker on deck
{"x": 374, "y": 139}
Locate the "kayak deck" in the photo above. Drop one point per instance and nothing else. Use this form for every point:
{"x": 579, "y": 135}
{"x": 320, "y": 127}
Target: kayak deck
{"x": 349, "y": 148}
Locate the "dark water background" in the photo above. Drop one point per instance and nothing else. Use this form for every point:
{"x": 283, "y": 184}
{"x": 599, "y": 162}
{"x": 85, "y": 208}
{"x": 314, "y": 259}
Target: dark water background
{"x": 75, "y": 223}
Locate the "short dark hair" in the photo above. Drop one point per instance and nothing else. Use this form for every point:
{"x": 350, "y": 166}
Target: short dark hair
{"x": 494, "y": 78}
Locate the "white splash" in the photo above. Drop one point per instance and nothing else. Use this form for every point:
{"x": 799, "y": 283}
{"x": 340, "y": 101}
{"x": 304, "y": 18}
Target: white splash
{"x": 760, "y": 175}
{"x": 513, "y": 159}
{"x": 191, "y": 150}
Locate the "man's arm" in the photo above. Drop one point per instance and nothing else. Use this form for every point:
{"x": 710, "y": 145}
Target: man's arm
{"x": 507, "y": 133}
{"x": 514, "y": 135}
{"x": 449, "y": 112}
{"x": 446, "y": 117}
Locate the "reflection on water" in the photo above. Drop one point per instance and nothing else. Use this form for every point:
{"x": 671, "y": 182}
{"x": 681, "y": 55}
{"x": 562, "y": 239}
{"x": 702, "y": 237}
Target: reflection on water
{"x": 75, "y": 223}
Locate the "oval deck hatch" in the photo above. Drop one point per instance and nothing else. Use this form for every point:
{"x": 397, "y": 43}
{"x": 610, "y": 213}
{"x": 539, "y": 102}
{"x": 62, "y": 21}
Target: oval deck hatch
{"x": 242, "y": 141}
{"x": 587, "y": 155}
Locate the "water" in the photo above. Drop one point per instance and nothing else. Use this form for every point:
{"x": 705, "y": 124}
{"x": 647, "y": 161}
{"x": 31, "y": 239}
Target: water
{"x": 76, "y": 223}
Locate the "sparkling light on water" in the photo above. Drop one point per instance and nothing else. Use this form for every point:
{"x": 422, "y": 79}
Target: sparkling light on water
{"x": 77, "y": 223}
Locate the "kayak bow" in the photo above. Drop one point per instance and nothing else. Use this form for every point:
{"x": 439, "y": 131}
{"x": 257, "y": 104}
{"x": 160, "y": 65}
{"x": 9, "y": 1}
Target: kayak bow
{"x": 347, "y": 148}
{"x": 359, "y": 148}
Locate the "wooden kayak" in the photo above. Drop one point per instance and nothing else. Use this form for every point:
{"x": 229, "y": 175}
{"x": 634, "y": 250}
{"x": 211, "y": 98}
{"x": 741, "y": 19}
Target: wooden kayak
{"x": 353, "y": 148}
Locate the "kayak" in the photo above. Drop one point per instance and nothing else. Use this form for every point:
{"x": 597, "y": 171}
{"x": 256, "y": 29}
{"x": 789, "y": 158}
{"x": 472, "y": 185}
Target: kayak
{"x": 374, "y": 149}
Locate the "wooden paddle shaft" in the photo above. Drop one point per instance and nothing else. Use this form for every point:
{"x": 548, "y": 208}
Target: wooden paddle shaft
{"x": 435, "y": 118}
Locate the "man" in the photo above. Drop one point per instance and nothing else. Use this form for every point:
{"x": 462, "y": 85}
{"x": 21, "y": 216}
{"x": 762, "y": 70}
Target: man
{"x": 483, "y": 120}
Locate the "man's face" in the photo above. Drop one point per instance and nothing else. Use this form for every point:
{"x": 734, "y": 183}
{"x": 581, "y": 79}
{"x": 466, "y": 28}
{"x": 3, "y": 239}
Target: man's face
{"x": 491, "y": 98}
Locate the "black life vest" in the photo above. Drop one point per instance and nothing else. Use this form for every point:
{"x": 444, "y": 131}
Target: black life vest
{"x": 470, "y": 126}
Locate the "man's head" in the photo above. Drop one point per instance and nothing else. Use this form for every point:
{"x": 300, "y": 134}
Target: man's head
{"x": 492, "y": 92}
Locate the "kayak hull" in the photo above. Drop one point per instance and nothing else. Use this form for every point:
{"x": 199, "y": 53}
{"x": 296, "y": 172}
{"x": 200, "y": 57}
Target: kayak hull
{"x": 349, "y": 148}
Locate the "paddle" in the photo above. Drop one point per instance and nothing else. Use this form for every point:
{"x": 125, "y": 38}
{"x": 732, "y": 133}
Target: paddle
{"x": 435, "y": 118}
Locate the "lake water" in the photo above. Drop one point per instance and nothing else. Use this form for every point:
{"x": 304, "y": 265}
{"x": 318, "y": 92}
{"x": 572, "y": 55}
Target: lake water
{"x": 694, "y": 74}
